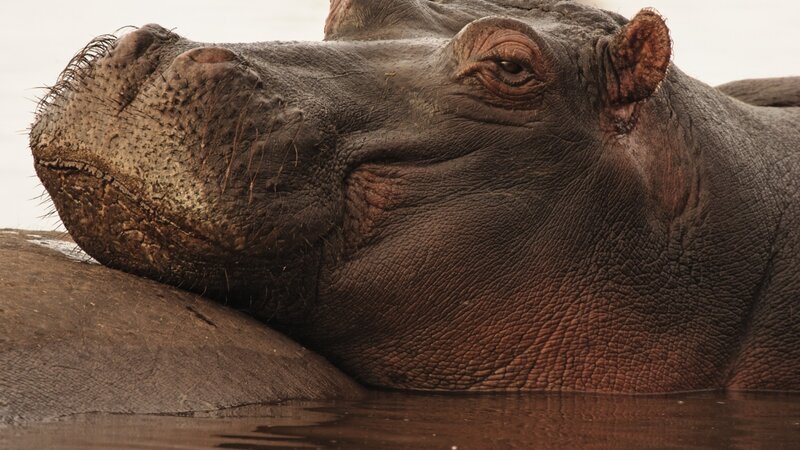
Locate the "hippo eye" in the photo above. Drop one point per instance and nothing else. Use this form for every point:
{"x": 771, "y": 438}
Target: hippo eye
{"x": 510, "y": 67}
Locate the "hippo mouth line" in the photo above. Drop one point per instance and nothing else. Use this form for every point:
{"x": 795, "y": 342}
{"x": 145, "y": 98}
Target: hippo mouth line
{"x": 70, "y": 167}
{"x": 61, "y": 165}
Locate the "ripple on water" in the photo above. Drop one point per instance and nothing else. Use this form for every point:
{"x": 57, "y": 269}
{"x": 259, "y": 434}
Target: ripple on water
{"x": 403, "y": 421}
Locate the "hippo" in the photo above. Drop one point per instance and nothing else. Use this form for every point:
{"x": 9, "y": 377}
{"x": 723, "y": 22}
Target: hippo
{"x": 78, "y": 338}
{"x": 450, "y": 195}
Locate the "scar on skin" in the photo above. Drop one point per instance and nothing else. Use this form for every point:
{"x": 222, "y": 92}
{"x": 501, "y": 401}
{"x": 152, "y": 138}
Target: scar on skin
{"x": 201, "y": 316}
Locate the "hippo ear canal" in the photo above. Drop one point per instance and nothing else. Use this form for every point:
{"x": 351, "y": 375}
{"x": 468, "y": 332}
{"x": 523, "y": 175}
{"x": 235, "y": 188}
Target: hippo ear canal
{"x": 637, "y": 59}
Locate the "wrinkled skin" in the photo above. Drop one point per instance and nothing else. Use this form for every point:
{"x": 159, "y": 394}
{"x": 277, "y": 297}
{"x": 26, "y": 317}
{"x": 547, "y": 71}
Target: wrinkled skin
{"x": 448, "y": 195}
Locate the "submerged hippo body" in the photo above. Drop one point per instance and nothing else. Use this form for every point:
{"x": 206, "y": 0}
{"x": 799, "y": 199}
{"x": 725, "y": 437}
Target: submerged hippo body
{"x": 449, "y": 195}
{"x": 77, "y": 338}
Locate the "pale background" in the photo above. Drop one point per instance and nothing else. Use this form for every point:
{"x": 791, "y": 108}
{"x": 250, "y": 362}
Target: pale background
{"x": 715, "y": 41}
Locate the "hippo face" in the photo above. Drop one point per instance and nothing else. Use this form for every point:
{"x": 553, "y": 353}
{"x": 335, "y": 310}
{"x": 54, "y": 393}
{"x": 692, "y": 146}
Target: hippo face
{"x": 427, "y": 197}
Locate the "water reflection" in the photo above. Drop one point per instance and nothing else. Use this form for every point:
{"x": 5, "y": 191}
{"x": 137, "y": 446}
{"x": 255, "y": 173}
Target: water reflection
{"x": 394, "y": 421}
{"x": 402, "y": 421}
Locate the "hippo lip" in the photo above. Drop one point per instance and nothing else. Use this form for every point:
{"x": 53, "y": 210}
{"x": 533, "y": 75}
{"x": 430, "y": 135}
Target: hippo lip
{"x": 62, "y": 165}
{"x": 78, "y": 166}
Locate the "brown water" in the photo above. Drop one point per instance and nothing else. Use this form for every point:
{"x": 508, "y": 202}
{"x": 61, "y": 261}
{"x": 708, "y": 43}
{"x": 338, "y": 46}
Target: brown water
{"x": 402, "y": 421}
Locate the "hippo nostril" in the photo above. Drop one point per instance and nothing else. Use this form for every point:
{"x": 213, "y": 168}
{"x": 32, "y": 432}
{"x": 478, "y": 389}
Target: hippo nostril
{"x": 210, "y": 55}
{"x": 202, "y": 65}
{"x": 158, "y": 30}
{"x": 133, "y": 45}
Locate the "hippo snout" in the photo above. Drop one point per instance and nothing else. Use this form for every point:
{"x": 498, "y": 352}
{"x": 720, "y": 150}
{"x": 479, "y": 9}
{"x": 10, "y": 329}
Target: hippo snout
{"x": 136, "y": 54}
{"x": 183, "y": 149}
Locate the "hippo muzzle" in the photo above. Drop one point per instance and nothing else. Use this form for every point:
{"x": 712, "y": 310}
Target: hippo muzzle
{"x": 211, "y": 167}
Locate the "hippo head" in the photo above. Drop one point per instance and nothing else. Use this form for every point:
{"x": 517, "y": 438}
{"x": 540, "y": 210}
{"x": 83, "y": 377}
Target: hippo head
{"x": 440, "y": 195}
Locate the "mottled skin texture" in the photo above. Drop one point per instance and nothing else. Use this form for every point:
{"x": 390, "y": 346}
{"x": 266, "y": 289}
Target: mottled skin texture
{"x": 449, "y": 195}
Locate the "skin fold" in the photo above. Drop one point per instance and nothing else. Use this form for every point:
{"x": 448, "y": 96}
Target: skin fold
{"x": 456, "y": 195}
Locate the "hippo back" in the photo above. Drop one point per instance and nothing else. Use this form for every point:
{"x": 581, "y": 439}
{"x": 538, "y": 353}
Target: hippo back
{"x": 779, "y": 92}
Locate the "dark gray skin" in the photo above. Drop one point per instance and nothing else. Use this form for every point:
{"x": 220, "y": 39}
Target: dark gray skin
{"x": 778, "y": 92}
{"x": 461, "y": 195}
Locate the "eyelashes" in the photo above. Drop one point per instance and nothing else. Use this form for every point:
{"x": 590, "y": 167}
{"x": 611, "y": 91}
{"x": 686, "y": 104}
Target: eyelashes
{"x": 509, "y": 67}
{"x": 510, "y": 62}
{"x": 512, "y": 72}
{"x": 504, "y": 63}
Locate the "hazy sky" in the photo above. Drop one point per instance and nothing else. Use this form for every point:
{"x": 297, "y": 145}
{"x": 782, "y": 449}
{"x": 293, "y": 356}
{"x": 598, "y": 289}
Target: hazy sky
{"x": 715, "y": 41}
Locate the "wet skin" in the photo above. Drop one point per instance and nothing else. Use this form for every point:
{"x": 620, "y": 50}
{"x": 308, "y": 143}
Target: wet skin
{"x": 466, "y": 195}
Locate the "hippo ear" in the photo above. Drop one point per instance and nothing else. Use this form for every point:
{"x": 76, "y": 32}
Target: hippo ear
{"x": 390, "y": 19}
{"x": 359, "y": 17}
{"x": 337, "y": 17}
{"x": 637, "y": 59}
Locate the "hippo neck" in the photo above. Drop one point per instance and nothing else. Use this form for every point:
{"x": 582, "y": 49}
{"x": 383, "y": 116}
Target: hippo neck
{"x": 764, "y": 358}
{"x": 746, "y": 160}
{"x": 698, "y": 149}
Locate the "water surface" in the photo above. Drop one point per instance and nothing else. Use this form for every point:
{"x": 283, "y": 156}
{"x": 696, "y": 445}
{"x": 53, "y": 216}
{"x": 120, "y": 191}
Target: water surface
{"x": 447, "y": 422}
